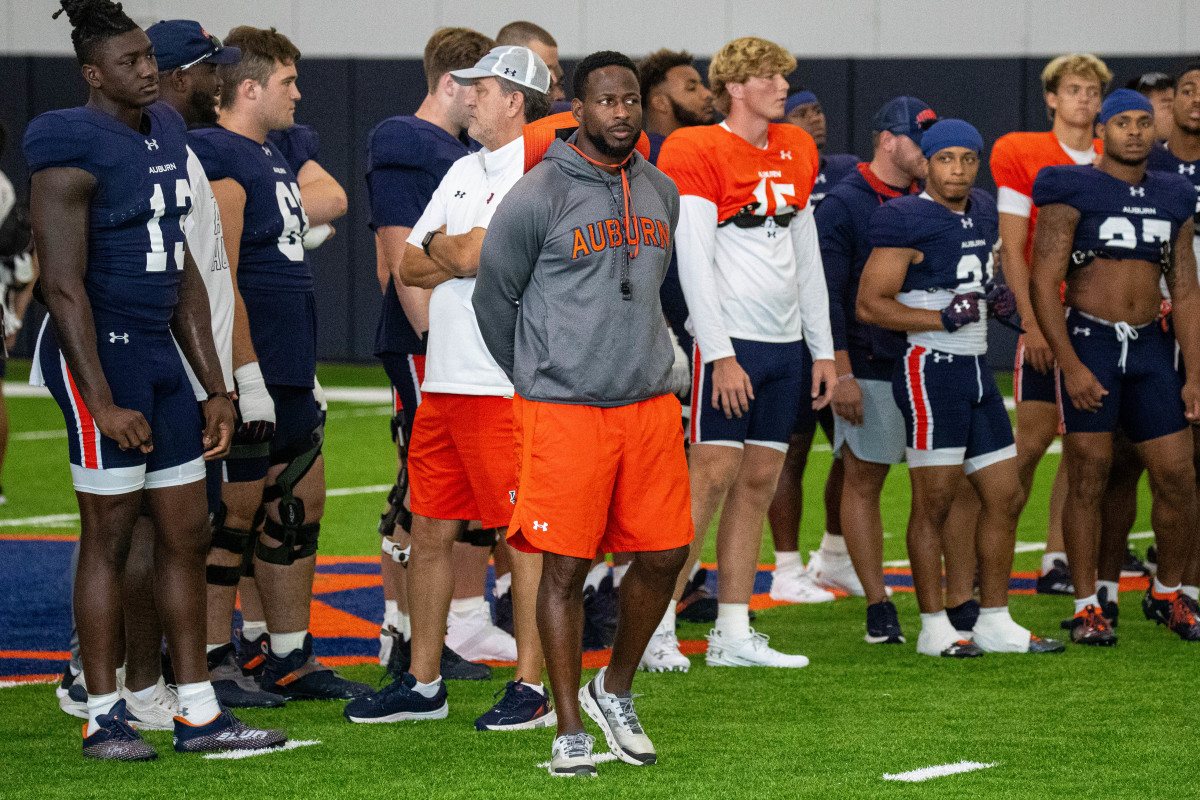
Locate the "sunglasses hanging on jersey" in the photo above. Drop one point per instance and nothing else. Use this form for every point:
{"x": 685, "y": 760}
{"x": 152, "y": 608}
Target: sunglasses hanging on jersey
{"x": 746, "y": 218}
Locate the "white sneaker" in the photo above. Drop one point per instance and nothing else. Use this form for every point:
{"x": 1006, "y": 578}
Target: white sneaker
{"x": 571, "y": 756}
{"x": 72, "y": 694}
{"x": 836, "y": 572}
{"x": 752, "y": 651}
{"x": 617, "y": 718}
{"x": 475, "y": 638}
{"x": 157, "y": 712}
{"x": 663, "y": 655}
{"x": 796, "y": 585}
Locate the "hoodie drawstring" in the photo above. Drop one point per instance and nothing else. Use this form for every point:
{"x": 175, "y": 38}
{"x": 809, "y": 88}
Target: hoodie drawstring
{"x": 631, "y": 235}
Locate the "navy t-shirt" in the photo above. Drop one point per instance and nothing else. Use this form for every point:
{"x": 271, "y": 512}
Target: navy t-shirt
{"x": 407, "y": 158}
{"x": 135, "y": 238}
{"x": 957, "y": 248}
{"x": 833, "y": 168}
{"x": 1163, "y": 160}
{"x": 298, "y": 144}
{"x": 1125, "y": 220}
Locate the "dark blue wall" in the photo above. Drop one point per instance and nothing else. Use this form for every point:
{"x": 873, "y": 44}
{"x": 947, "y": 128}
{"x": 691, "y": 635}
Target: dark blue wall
{"x": 344, "y": 98}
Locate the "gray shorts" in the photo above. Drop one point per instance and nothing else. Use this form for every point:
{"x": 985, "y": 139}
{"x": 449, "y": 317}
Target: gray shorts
{"x": 880, "y": 439}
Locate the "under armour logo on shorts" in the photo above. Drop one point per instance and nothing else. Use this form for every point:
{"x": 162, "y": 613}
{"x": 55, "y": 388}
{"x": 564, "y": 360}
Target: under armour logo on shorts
{"x": 151, "y": 144}
{"x": 785, "y": 154}
{"x": 968, "y": 222}
{"x": 1078, "y": 331}
{"x": 541, "y": 526}
{"x": 940, "y": 357}
{"x": 113, "y": 338}
{"x": 1137, "y": 191}
{"x": 1187, "y": 169}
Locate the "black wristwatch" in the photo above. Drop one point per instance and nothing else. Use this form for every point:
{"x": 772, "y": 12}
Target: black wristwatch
{"x": 428, "y": 240}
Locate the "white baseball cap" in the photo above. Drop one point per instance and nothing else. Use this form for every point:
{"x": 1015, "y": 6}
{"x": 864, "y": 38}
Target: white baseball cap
{"x": 517, "y": 64}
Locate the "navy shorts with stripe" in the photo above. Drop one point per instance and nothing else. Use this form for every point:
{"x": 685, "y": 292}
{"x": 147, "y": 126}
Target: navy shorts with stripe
{"x": 807, "y": 419}
{"x": 1031, "y": 385}
{"x": 1143, "y": 395}
{"x": 776, "y": 375}
{"x": 953, "y": 411}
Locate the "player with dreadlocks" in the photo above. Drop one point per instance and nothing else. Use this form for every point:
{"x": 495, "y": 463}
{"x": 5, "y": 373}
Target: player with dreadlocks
{"x": 109, "y": 189}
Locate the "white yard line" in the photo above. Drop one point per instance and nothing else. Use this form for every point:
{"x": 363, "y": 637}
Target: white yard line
{"x": 15, "y": 684}
{"x": 938, "y": 771}
{"x": 236, "y": 754}
{"x": 26, "y": 436}
{"x": 46, "y": 520}
{"x": 379, "y": 487}
{"x": 599, "y": 758}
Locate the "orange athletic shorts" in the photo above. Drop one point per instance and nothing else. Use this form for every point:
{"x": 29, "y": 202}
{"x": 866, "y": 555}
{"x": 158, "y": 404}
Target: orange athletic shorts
{"x": 460, "y": 458}
{"x": 600, "y": 480}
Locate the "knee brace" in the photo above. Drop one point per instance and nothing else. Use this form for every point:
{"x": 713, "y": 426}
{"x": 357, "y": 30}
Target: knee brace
{"x": 396, "y": 514}
{"x": 485, "y": 537}
{"x": 233, "y": 540}
{"x": 297, "y": 542}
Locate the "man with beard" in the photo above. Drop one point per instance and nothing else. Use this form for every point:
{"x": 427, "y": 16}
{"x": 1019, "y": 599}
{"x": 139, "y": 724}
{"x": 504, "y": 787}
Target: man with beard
{"x": 1112, "y": 230}
{"x": 673, "y": 96}
{"x": 600, "y": 450}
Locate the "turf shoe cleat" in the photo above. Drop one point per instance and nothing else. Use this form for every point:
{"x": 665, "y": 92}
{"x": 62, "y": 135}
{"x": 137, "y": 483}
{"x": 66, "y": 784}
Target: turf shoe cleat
{"x": 698, "y": 603}
{"x": 156, "y": 713}
{"x": 1057, "y": 580}
{"x": 1178, "y": 612}
{"x": 234, "y": 688}
{"x": 962, "y": 649}
{"x": 1132, "y": 566}
{"x": 475, "y": 638}
{"x": 663, "y": 655}
{"x": 939, "y": 638}
{"x": 796, "y": 585}
{"x": 252, "y": 655}
{"x": 883, "y": 625}
{"x": 618, "y": 719}
{"x": 115, "y": 739}
{"x": 72, "y": 695}
{"x": 223, "y": 732}
{"x": 397, "y": 702}
{"x": 522, "y": 708}
{"x": 1039, "y": 644}
{"x": 751, "y": 651}
{"x": 1090, "y": 627}
{"x": 299, "y": 676}
{"x": 571, "y": 756}
{"x": 599, "y": 615}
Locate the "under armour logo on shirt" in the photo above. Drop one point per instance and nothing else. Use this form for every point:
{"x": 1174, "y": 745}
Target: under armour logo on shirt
{"x": 785, "y": 154}
{"x": 113, "y": 338}
{"x": 460, "y": 193}
{"x": 821, "y": 178}
{"x": 967, "y": 223}
{"x": 1137, "y": 191}
{"x": 1187, "y": 169}
{"x": 1078, "y": 331}
{"x": 940, "y": 357}
{"x": 541, "y": 526}
{"x": 771, "y": 234}
{"x": 151, "y": 144}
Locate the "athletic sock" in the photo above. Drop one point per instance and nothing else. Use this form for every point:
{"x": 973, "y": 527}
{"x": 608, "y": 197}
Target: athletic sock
{"x": 468, "y": 606}
{"x": 834, "y": 545}
{"x": 391, "y": 614}
{"x": 540, "y": 688}
{"x": 733, "y": 620}
{"x": 667, "y": 624}
{"x": 1049, "y": 558}
{"x": 939, "y": 627}
{"x": 1191, "y": 591}
{"x": 1161, "y": 592}
{"x": 787, "y": 560}
{"x": 428, "y": 690}
{"x": 145, "y": 694}
{"x": 1083, "y": 602}
{"x": 1110, "y": 588}
{"x": 198, "y": 702}
{"x": 503, "y": 584}
{"x": 98, "y": 704}
{"x": 284, "y": 643}
{"x": 619, "y": 574}
{"x": 252, "y": 629}
{"x": 404, "y": 625}
{"x": 595, "y": 575}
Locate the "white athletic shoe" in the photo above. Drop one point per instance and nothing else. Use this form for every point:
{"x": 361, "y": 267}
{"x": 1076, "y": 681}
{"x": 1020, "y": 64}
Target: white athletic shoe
{"x": 571, "y": 756}
{"x": 663, "y": 655}
{"x": 836, "y": 573}
{"x": 157, "y": 712}
{"x": 752, "y": 651}
{"x": 72, "y": 694}
{"x": 618, "y": 719}
{"x": 796, "y": 585}
{"x": 475, "y": 638}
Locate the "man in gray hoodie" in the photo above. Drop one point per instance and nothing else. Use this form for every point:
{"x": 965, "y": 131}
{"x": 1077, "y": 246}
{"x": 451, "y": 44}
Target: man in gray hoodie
{"x": 567, "y": 302}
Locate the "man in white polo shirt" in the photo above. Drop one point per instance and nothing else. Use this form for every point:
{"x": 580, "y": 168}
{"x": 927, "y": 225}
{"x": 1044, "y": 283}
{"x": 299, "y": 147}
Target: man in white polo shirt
{"x": 460, "y": 458}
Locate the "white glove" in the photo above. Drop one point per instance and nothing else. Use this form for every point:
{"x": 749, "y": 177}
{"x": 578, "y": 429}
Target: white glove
{"x": 253, "y": 401}
{"x": 315, "y": 237}
{"x": 681, "y": 374}
{"x": 319, "y": 395}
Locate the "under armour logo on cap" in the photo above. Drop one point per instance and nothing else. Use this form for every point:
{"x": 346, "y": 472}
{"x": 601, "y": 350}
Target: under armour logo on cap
{"x": 1137, "y": 191}
{"x": 967, "y": 222}
{"x": 113, "y": 338}
{"x": 151, "y": 144}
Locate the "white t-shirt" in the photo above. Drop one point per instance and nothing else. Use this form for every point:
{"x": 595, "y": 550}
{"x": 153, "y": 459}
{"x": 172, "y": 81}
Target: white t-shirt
{"x": 457, "y": 361}
{"x": 202, "y": 229}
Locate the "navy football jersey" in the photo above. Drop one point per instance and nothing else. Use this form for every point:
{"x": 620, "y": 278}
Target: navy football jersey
{"x": 407, "y": 158}
{"x": 1163, "y": 160}
{"x": 135, "y": 234}
{"x": 958, "y": 258}
{"x": 1118, "y": 219}
{"x": 833, "y": 169}
{"x": 273, "y": 223}
{"x": 299, "y": 144}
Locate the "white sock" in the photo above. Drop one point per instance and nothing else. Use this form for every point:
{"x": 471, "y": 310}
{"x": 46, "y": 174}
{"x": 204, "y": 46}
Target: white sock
{"x": 619, "y": 574}
{"x": 467, "y": 606}
{"x": 284, "y": 643}
{"x": 834, "y": 545}
{"x": 428, "y": 689}
{"x": 99, "y": 704}
{"x": 595, "y": 575}
{"x": 404, "y": 625}
{"x": 785, "y": 560}
{"x": 144, "y": 694}
{"x": 252, "y": 629}
{"x": 540, "y": 688}
{"x": 1049, "y": 558}
{"x": 198, "y": 702}
{"x": 391, "y": 614}
{"x": 938, "y": 627}
{"x": 692, "y": 572}
{"x": 1191, "y": 591}
{"x": 503, "y": 584}
{"x": 733, "y": 620}
{"x": 1161, "y": 590}
{"x": 1110, "y": 586}
{"x": 667, "y": 625}
{"x": 208, "y": 648}
{"x": 1083, "y": 602}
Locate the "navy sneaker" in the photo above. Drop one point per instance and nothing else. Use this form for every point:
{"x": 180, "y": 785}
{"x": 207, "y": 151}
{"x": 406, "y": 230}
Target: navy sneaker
{"x": 502, "y": 610}
{"x": 299, "y": 676}
{"x": 234, "y": 688}
{"x": 963, "y": 617}
{"x": 397, "y": 702}
{"x": 883, "y": 625}
{"x": 115, "y": 739}
{"x": 600, "y": 611}
{"x": 1057, "y": 580}
{"x": 453, "y": 666}
{"x": 521, "y": 708}
{"x": 223, "y": 732}
{"x": 252, "y": 655}
{"x": 698, "y": 603}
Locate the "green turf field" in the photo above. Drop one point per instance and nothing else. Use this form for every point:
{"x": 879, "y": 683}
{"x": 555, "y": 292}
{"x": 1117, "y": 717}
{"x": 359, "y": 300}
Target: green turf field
{"x": 1087, "y": 723}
